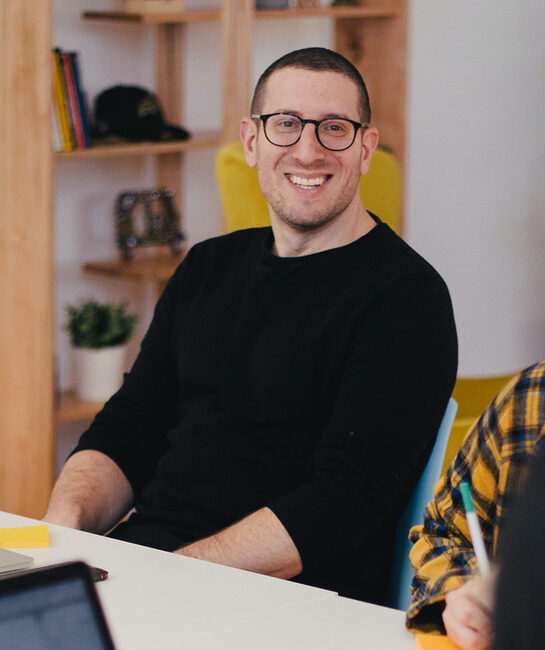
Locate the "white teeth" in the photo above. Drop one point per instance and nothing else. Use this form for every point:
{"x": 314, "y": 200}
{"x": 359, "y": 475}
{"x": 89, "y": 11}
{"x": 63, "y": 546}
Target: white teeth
{"x": 307, "y": 182}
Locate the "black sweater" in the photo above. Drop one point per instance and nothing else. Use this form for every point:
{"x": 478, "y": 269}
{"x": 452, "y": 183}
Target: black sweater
{"x": 311, "y": 385}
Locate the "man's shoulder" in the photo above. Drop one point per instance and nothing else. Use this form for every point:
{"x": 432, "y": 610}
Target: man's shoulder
{"x": 402, "y": 250}
{"x": 396, "y": 258}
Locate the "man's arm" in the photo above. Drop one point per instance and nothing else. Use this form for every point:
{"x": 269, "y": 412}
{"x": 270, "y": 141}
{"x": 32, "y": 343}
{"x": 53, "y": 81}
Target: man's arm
{"x": 90, "y": 494}
{"x": 258, "y": 543}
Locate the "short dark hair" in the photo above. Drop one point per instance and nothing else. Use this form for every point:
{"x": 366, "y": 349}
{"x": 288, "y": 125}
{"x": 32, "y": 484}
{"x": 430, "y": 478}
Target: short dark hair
{"x": 318, "y": 59}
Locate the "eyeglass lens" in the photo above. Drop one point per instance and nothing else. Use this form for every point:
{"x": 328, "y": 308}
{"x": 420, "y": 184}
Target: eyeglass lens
{"x": 333, "y": 133}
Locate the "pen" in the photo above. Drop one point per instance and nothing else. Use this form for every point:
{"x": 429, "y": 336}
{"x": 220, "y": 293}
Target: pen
{"x": 475, "y": 530}
{"x": 98, "y": 574}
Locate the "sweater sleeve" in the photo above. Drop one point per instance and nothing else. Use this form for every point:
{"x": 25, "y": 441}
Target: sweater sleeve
{"x": 131, "y": 428}
{"x": 397, "y": 377}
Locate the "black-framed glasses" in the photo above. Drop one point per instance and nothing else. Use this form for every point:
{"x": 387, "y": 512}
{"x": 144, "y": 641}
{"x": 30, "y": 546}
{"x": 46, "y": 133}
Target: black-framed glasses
{"x": 333, "y": 133}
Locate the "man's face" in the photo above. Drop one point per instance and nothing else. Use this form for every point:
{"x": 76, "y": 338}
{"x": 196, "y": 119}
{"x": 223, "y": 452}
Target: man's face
{"x": 305, "y": 184}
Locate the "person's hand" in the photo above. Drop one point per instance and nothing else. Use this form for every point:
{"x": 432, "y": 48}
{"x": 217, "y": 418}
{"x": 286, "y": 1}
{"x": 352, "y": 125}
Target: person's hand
{"x": 467, "y": 615}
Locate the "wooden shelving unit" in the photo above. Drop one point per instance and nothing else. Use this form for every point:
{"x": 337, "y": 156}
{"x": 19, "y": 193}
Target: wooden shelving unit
{"x": 373, "y": 36}
{"x": 26, "y": 328}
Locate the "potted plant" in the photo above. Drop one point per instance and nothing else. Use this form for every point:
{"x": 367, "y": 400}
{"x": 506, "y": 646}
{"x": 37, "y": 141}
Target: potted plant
{"x": 99, "y": 334}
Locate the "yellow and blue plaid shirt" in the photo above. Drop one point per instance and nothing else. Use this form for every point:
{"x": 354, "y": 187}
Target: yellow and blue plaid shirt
{"x": 492, "y": 459}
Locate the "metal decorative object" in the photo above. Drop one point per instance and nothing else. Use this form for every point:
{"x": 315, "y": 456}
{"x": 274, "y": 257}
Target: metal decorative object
{"x": 147, "y": 218}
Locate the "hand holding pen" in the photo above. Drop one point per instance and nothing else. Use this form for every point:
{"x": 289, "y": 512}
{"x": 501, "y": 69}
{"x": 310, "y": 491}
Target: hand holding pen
{"x": 467, "y": 613}
{"x": 475, "y": 530}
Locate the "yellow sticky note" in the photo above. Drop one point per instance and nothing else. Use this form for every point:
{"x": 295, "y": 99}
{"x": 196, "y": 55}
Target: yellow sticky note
{"x": 434, "y": 642}
{"x": 25, "y": 537}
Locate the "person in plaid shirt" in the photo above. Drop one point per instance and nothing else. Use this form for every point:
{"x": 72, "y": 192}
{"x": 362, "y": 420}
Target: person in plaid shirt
{"x": 447, "y": 594}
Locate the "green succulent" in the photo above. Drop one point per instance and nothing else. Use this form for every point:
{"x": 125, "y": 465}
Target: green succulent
{"x": 94, "y": 325}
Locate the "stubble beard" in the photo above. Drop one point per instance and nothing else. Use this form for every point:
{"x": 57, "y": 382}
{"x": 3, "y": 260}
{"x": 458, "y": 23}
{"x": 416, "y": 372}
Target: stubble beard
{"x": 308, "y": 220}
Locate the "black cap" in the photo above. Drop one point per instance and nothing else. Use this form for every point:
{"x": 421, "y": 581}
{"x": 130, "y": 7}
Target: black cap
{"x": 133, "y": 113}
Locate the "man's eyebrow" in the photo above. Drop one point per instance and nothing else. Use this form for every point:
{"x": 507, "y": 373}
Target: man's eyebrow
{"x": 326, "y": 116}
{"x": 287, "y": 111}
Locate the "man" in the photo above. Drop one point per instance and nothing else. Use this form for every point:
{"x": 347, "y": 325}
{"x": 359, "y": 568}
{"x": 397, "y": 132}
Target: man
{"x": 493, "y": 459}
{"x": 292, "y": 380}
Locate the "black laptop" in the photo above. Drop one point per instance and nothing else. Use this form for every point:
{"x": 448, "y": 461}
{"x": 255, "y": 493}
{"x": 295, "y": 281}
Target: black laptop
{"x": 52, "y": 608}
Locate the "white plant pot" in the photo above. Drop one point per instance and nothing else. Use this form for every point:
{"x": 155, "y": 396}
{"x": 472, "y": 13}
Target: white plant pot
{"x": 99, "y": 373}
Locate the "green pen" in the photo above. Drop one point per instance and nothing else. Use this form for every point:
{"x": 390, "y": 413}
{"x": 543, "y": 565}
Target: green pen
{"x": 475, "y": 530}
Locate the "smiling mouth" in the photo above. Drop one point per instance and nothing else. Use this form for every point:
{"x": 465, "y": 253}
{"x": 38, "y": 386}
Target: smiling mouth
{"x": 307, "y": 183}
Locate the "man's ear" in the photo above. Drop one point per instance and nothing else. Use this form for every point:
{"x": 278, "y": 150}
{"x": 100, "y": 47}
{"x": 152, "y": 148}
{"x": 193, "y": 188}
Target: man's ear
{"x": 248, "y": 135}
{"x": 369, "y": 144}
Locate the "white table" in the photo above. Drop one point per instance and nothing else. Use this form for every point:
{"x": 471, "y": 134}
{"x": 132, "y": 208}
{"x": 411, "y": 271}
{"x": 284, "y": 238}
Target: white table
{"x": 161, "y": 601}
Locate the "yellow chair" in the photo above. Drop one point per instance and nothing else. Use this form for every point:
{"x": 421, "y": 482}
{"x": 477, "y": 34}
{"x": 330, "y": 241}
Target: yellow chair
{"x": 473, "y": 395}
{"x": 244, "y": 205}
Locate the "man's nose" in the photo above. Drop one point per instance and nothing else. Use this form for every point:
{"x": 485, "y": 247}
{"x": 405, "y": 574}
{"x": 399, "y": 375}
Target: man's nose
{"x": 308, "y": 146}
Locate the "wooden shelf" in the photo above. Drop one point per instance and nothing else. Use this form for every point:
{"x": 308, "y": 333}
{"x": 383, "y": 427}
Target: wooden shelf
{"x": 385, "y": 11}
{"x": 194, "y": 16}
{"x": 71, "y": 408}
{"x": 111, "y": 149}
{"x": 150, "y": 268}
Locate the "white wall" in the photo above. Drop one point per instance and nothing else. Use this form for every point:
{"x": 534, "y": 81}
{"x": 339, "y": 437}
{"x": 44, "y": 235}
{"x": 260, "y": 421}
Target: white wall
{"x": 476, "y": 165}
{"x": 475, "y": 161}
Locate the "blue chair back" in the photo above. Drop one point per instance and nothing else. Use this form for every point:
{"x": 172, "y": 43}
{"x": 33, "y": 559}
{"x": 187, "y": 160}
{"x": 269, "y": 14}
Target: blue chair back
{"x": 399, "y": 595}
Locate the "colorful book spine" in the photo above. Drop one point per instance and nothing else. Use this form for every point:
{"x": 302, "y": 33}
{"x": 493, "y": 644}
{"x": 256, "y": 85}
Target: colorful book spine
{"x": 61, "y": 102}
{"x": 65, "y": 101}
{"x": 73, "y": 103}
{"x": 82, "y": 104}
{"x": 58, "y": 144}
